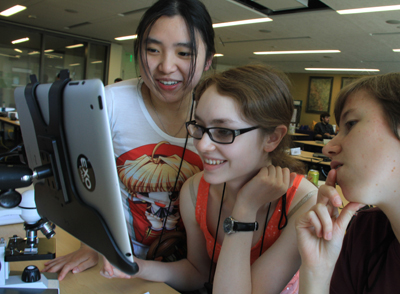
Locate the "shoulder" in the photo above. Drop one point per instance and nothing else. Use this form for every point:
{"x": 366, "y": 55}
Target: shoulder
{"x": 188, "y": 197}
{"x": 129, "y": 86}
{"x": 373, "y": 222}
{"x": 306, "y": 195}
{"x": 190, "y": 188}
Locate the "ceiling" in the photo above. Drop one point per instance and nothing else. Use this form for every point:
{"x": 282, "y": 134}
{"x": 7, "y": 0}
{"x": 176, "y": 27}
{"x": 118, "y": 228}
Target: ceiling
{"x": 365, "y": 40}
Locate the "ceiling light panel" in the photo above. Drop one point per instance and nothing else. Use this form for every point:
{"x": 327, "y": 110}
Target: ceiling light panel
{"x": 13, "y": 10}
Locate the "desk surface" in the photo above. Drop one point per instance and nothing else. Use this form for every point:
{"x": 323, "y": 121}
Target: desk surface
{"x": 298, "y": 135}
{"x": 9, "y": 121}
{"x": 312, "y": 143}
{"x": 308, "y": 157}
{"x": 89, "y": 281}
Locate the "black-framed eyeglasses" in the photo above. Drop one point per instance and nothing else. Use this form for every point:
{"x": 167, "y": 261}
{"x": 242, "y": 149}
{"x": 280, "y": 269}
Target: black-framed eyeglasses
{"x": 217, "y": 135}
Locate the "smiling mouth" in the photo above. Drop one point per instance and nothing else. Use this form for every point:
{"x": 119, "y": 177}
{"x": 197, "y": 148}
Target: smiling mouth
{"x": 213, "y": 161}
{"x": 168, "y": 83}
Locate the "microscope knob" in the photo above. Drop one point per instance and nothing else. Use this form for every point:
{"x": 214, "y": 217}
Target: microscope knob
{"x": 30, "y": 274}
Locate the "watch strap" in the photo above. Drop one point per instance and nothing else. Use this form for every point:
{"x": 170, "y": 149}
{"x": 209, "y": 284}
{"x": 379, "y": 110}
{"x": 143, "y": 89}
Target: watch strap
{"x": 245, "y": 227}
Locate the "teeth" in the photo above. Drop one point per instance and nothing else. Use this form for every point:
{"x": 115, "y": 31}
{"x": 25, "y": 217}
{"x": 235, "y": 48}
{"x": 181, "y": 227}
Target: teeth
{"x": 213, "y": 162}
{"x": 168, "y": 83}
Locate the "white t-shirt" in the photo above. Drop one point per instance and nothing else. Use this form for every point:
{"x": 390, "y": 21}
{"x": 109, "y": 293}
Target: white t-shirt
{"x": 148, "y": 161}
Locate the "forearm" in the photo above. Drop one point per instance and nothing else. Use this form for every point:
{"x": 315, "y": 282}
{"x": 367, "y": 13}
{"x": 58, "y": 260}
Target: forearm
{"x": 233, "y": 273}
{"x": 314, "y": 281}
{"x": 180, "y": 275}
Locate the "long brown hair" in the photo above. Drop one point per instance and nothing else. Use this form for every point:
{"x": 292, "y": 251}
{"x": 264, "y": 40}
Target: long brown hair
{"x": 264, "y": 99}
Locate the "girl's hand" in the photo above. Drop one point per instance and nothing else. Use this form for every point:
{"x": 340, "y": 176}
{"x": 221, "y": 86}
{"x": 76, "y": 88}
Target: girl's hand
{"x": 321, "y": 230}
{"x": 268, "y": 185}
{"x": 77, "y": 261}
{"x": 108, "y": 271}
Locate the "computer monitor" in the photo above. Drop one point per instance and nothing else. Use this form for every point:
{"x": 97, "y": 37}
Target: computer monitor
{"x": 65, "y": 130}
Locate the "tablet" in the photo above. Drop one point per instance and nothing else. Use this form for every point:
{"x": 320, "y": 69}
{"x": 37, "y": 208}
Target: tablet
{"x": 65, "y": 128}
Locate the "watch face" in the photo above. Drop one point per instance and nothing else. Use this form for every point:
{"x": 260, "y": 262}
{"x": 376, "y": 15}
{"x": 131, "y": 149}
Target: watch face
{"x": 228, "y": 225}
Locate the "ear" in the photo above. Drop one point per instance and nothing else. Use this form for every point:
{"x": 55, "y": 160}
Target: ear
{"x": 272, "y": 140}
{"x": 208, "y": 64}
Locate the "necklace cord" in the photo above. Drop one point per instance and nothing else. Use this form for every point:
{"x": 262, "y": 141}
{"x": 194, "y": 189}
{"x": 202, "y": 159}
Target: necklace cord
{"x": 265, "y": 229}
{"x": 283, "y": 214}
{"x": 216, "y": 234}
{"x": 176, "y": 181}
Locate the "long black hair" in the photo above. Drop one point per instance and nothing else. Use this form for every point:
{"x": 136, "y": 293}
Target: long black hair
{"x": 197, "y": 19}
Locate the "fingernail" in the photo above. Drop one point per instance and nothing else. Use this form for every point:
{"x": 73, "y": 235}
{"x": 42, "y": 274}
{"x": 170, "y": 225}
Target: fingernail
{"x": 328, "y": 236}
{"x": 337, "y": 201}
{"x": 105, "y": 274}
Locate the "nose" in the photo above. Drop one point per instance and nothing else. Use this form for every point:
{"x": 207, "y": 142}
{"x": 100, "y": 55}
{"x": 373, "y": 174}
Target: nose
{"x": 167, "y": 63}
{"x": 204, "y": 144}
{"x": 333, "y": 147}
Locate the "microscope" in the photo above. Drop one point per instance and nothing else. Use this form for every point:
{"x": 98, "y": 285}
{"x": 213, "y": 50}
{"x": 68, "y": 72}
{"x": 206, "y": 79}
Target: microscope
{"x": 30, "y": 247}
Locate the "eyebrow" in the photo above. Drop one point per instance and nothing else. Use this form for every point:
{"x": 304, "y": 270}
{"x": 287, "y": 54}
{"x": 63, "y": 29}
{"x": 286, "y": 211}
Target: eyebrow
{"x": 150, "y": 40}
{"x": 344, "y": 115}
{"x": 216, "y": 121}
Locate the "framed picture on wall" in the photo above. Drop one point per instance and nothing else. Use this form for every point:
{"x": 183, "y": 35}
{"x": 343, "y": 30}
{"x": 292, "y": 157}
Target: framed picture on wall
{"x": 347, "y": 80}
{"x": 319, "y": 94}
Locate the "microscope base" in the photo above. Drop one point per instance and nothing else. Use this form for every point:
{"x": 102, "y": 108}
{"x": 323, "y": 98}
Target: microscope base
{"x": 48, "y": 284}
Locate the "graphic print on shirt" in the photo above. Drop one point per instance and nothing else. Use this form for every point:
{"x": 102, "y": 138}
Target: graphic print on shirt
{"x": 149, "y": 173}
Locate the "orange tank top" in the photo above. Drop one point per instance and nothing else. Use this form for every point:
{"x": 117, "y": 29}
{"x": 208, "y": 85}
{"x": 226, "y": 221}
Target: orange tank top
{"x": 272, "y": 232}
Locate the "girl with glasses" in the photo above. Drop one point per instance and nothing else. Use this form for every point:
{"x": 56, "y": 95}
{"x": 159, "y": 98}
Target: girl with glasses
{"x": 366, "y": 165}
{"x": 240, "y": 210}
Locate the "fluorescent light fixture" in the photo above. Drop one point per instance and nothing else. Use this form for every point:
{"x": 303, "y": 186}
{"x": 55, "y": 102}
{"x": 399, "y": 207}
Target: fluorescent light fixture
{"x": 396, "y": 50}
{"x": 11, "y": 56}
{"x": 74, "y": 64}
{"x": 126, "y": 38}
{"x": 74, "y": 46}
{"x": 218, "y": 55}
{"x": 33, "y": 53}
{"x": 341, "y": 69}
{"x": 97, "y": 61}
{"x": 295, "y": 52}
{"x": 241, "y": 22}
{"x": 13, "y": 10}
{"x": 20, "y": 40}
{"x": 369, "y": 9}
{"x": 49, "y": 50}
{"x": 18, "y": 50}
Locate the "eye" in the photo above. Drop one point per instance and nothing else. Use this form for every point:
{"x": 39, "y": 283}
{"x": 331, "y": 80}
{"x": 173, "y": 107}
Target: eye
{"x": 152, "y": 50}
{"x": 349, "y": 125}
{"x": 185, "y": 54}
{"x": 222, "y": 133}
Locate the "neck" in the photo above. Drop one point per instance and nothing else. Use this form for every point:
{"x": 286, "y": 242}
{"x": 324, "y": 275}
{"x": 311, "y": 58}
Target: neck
{"x": 170, "y": 116}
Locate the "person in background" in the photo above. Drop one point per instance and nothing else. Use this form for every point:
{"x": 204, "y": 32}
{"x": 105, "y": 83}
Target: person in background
{"x": 118, "y": 80}
{"x": 366, "y": 164}
{"x": 324, "y": 130}
{"x": 153, "y": 152}
{"x": 239, "y": 130}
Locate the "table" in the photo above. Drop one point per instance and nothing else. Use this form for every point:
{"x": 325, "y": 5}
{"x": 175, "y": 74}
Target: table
{"x": 307, "y": 156}
{"x": 311, "y": 143}
{"x": 298, "y": 135}
{"x": 89, "y": 281}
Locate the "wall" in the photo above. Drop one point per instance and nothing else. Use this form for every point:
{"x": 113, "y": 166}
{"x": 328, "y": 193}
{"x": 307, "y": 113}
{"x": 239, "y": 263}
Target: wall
{"x": 115, "y": 63}
{"x": 299, "y": 89}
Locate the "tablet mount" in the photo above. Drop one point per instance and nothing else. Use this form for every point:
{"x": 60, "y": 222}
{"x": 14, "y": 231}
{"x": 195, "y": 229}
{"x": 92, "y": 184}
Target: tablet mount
{"x": 56, "y": 195}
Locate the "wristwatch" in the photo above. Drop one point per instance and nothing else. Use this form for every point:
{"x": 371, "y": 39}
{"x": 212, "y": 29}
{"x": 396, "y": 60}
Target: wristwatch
{"x": 233, "y": 226}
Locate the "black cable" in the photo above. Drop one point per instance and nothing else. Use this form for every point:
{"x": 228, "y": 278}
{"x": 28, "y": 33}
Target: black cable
{"x": 176, "y": 182}
{"x": 265, "y": 228}
{"x": 283, "y": 214}
{"x": 216, "y": 234}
